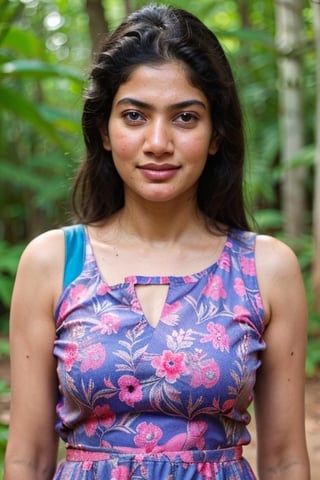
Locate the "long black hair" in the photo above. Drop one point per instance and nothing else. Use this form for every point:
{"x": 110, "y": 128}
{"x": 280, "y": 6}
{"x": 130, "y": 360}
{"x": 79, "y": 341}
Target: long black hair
{"x": 153, "y": 35}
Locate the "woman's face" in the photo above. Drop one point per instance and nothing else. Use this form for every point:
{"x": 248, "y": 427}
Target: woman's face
{"x": 160, "y": 134}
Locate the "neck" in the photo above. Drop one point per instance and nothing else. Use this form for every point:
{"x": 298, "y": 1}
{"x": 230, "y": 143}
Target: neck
{"x": 161, "y": 222}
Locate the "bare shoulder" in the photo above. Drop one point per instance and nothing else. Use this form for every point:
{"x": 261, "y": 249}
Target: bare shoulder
{"x": 45, "y": 250}
{"x": 275, "y": 257}
{"x": 41, "y": 266}
{"x": 278, "y": 273}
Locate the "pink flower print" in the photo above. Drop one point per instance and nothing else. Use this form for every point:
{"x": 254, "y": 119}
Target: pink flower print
{"x": 228, "y": 406}
{"x": 248, "y": 266}
{"x": 91, "y": 426}
{"x": 101, "y": 416}
{"x": 214, "y": 288}
{"x": 217, "y": 334}
{"x": 207, "y": 375}
{"x": 195, "y": 434}
{"x": 185, "y": 455}
{"x": 208, "y": 470}
{"x": 130, "y": 390}
{"x": 65, "y": 305}
{"x": 103, "y": 289}
{"x": 76, "y": 293}
{"x": 170, "y": 365}
{"x": 259, "y": 300}
{"x": 120, "y": 473}
{"x": 241, "y": 313}
{"x": 105, "y": 414}
{"x": 224, "y": 261}
{"x": 70, "y": 355}
{"x": 192, "y": 438}
{"x": 94, "y": 357}
{"x": 108, "y": 324}
{"x": 189, "y": 279}
{"x": 148, "y": 436}
{"x": 239, "y": 287}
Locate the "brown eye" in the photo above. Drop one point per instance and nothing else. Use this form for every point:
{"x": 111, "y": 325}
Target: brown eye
{"x": 133, "y": 116}
{"x": 186, "y": 119}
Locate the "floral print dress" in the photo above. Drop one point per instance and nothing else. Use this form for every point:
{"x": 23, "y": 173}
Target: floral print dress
{"x": 157, "y": 403}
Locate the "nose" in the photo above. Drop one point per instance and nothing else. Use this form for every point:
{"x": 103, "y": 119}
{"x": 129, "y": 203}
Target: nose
{"x": 158, "y": 138}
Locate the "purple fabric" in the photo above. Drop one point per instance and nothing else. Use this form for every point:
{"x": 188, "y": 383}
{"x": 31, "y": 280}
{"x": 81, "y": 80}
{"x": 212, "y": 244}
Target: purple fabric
{"x": 158, "y": 401}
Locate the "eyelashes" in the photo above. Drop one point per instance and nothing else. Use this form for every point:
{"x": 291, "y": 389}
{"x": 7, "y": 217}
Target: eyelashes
{"x": 135, "y": 117}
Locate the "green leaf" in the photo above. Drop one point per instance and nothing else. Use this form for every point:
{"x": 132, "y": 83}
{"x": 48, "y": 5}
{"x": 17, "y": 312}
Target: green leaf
{"x": 68, "y": 122}
{"x": 37, "y": 69}
{"x": 25, "y": 43}
{"x": 269, "y": 219}
{"x": 17, "y": 104}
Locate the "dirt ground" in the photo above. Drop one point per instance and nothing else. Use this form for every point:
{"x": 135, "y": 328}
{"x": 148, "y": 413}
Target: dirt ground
{"x": 312, "y": 419}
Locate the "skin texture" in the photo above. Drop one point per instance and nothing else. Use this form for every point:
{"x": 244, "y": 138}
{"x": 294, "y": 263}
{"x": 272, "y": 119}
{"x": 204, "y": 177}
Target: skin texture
{"x": 168, "y": 135}
{"x": 165, "y": 125}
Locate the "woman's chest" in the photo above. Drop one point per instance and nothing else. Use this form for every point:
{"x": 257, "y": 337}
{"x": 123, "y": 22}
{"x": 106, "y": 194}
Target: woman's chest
{"x": 203, "y": 347}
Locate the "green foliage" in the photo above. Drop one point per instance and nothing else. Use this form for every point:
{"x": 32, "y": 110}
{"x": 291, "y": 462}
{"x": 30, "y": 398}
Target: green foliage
{"x": 313, "y": 348}
{"x": 3, "y": 443}
{"x": 39, "y": 135}
{"x": 4, "y": 390}
{"x": 4, "y": 349}
{"x": 9, "y": 256}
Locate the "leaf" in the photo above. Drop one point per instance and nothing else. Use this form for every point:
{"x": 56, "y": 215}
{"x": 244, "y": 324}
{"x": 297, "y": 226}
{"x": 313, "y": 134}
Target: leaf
{"x": 24, "y": 42}
{"x": 269, "y": 219}
{"x": 38, "y": 69}
{"x": 9, "y": 256}
{"x": 138, "y": 353}
{"x": 18, "y": 104}
{"x": 61, "y": 119}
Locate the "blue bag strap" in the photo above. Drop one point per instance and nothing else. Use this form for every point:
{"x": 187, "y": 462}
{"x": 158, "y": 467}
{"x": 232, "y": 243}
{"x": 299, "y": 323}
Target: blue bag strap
{"x": 74, "y": 252}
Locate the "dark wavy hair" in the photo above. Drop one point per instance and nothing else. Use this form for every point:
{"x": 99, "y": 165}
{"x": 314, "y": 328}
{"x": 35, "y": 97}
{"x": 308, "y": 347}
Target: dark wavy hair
{"x": 153, "y": 35}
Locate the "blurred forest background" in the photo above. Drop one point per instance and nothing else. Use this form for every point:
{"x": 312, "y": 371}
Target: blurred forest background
{"x": 46, "y": 47}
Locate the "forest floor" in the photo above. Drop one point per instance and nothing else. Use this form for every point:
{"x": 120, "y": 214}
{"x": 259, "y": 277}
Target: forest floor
{"x": 312, "y": 418}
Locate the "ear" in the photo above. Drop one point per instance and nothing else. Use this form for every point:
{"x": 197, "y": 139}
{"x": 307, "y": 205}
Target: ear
{"x": 105, "y": 137}
{"x": 214, "y": 144}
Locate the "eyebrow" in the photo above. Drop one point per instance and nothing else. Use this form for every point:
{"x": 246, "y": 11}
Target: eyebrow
{"x": 175, "y": 106}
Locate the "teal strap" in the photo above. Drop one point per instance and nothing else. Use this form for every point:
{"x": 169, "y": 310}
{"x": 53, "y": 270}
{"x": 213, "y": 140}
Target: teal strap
{"x": 74, "y": 252}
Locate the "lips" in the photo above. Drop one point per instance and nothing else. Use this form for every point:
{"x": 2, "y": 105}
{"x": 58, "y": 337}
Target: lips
{"x": 158, "y": 167}
{"x": 158, "y": 171}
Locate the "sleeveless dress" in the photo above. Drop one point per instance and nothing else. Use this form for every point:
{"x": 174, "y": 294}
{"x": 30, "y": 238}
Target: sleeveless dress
{"x": 157, "y": 403}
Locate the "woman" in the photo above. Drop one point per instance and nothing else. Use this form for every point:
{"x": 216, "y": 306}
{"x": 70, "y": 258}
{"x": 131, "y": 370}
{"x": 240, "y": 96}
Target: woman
{"x": 162, "y": 313}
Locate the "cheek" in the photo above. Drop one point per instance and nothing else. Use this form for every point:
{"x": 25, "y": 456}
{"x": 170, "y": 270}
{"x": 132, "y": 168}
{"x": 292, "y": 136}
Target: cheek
{"x": 197, "y": 150}
{"x": 122, "y": 144}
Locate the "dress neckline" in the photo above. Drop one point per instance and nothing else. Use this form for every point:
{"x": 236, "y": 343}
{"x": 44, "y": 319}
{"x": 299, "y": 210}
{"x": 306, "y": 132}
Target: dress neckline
{"x": 158, "y": 279}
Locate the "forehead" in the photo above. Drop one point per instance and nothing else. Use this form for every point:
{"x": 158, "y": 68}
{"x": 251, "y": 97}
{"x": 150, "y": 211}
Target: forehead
{"x": 169, "y": 82}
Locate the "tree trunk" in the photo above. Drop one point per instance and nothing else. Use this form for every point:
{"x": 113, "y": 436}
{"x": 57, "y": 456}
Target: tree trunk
{"x": 98, "y": 25}
{"x": 289, "y": 38}
{"x": 127, "y": 7}
{"x": 243, "y": 8}
{"x": 316, "y": 203}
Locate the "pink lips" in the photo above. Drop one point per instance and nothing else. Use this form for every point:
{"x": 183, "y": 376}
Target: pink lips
{"x": 158, "y": 171}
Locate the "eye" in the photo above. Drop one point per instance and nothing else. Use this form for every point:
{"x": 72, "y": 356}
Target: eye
{"x": 186, "y": 119}
{"x": 133, "y": 117}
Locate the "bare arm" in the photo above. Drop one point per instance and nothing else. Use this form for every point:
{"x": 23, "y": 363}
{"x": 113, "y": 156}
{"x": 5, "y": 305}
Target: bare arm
{"x": 279, "y": 393}
{"x": 32, "y": 447}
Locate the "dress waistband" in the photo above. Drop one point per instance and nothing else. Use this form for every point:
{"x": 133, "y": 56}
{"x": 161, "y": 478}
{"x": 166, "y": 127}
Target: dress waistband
{"x": 188, "y": 456}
